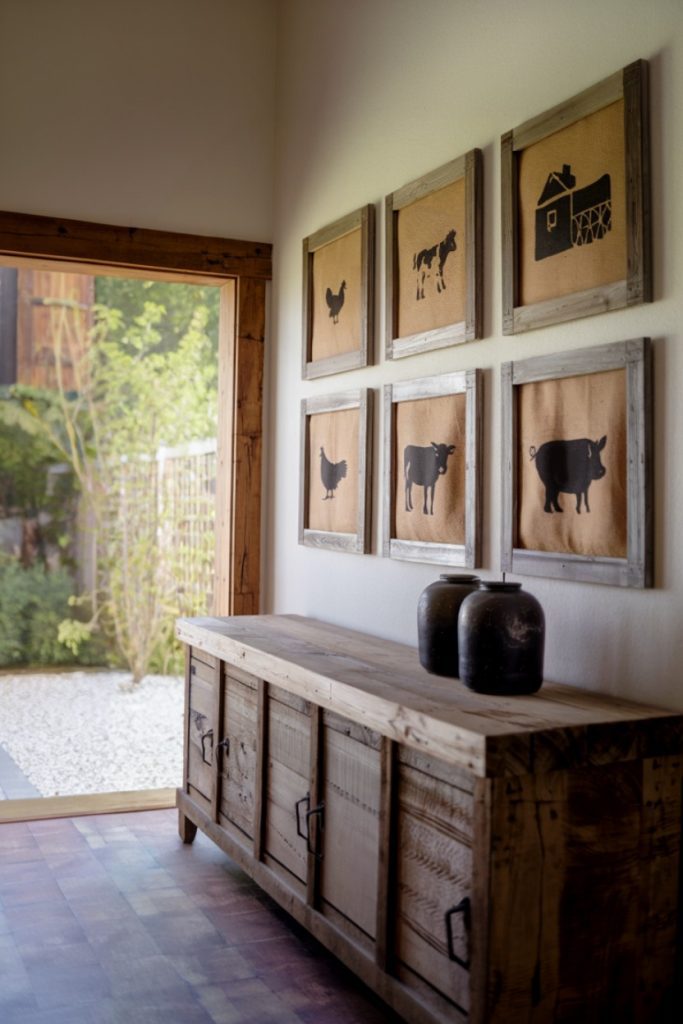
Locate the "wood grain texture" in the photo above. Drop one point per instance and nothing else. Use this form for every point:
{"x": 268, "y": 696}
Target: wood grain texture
{"x": 238, "y": 760}
{"x": 573, "y": 859}
{"x": 357, "y": 675}
{"x": 434, "y": 871}
{"x": 289, "y": 744}
{"x": 57, "y": 238}
{"x": 350, "y": 791}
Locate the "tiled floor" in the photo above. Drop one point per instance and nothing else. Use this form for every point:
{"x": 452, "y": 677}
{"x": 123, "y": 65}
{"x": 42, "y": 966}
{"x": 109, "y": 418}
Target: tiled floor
{"x": 111, "y": 920}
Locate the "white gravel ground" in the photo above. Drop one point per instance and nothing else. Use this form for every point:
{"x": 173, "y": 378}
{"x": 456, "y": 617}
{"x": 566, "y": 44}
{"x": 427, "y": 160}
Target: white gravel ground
{"x": 82, "y": 732}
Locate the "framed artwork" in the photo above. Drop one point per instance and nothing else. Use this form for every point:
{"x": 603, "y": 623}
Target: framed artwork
{"x": 434, "y": 259}
{"x": 338, "y": 295}
{"x": 577, "y": 466}
{"x": 334, "y": 496}
{"x": 576, "y": 206}
{"x": 432, "y": 468}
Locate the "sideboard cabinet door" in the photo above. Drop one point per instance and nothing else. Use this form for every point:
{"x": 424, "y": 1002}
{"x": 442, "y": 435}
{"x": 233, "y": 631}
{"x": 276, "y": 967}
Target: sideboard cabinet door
{"x": 238, "y": 749}
{"x": 433, "y": 877}
{"x": 288, "y": 783}
{"x": 349, "y": 840}
{"x": 201, "y": 730}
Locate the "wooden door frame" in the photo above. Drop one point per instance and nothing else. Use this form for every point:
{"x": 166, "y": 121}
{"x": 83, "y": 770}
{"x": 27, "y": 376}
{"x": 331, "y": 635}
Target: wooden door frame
{"x": 241, "y": 270}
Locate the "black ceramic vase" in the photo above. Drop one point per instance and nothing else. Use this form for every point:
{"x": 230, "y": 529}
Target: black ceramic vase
{"x": 437, "y": 622}
{"x": 501, "y": 637}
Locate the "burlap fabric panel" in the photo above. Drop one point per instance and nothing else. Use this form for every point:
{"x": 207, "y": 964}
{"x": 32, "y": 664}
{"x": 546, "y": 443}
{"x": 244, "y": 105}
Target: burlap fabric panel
{"x": 591, "y": 406}
{"x": 590, "y": 149}
{"x": 419, "y": 423}
{"x": 333, "y": 264}
{"x": 336, "y": 433}
{"x": 427, "y": 262}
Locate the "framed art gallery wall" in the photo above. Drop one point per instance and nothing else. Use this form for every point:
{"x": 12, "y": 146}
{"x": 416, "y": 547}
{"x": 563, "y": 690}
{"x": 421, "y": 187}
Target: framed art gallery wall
{"x": 381, "y": 97}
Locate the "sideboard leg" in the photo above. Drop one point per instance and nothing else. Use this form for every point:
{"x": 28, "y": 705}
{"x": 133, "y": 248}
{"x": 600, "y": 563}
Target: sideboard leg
{"x": 187, "y": 829}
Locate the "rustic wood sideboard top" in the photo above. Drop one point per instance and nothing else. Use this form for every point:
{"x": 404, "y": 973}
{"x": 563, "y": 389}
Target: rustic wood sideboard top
{"x": 380, "y": 684}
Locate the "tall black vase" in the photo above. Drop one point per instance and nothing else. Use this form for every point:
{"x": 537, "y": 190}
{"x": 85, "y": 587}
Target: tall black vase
{"x": 437, "y": 621}
{"x": 501, "y": 639}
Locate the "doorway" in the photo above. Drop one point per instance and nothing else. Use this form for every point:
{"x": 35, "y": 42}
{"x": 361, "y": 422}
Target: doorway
{"x": 73, "y": 247}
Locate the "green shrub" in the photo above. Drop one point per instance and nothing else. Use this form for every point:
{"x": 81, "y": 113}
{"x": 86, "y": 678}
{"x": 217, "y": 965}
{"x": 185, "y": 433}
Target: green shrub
{"x": 33, "y": 603}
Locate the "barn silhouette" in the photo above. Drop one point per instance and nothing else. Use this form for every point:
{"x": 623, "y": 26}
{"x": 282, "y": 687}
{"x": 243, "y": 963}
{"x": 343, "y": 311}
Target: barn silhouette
{"x": 567, "y": 216}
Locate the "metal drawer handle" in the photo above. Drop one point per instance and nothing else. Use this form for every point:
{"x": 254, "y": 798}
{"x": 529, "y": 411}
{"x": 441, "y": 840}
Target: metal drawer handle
{"x": 320, "y": 811}
{"x": 208, "y": 735}
{"x": 463, "y": 907}
{"x": 223, "y": 745}
{"x": 304, "y": 800}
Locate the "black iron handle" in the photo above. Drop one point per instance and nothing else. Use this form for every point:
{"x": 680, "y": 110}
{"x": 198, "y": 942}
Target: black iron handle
{"x": 208, "y": 735}
{"x": 304, "y": 800}
{"x": 320, "y": 811}
{"x": 463, "y": 907}
{"x": 223, "y": 745}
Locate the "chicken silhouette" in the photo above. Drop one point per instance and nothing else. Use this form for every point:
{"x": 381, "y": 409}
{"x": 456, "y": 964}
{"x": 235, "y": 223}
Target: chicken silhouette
{"x": 335, "y": 302}
{"x": 331, "y": 473}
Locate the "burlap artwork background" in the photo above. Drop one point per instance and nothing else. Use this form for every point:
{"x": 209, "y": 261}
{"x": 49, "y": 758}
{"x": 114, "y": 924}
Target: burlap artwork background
{"x": 589, "y": 406}
{"x": 333, "y": 263}
{"x": 592, "y": 147}
{"x": 421, "y": 225}
{"x": 337, "y": 434}
{"x": 421, "y": 422}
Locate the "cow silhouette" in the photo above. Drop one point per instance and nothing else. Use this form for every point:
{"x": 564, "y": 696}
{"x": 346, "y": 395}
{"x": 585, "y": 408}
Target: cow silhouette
{"x": 568, "y": 467}
{"x": 424, "y": 466}
{"x": 422, "y": 262}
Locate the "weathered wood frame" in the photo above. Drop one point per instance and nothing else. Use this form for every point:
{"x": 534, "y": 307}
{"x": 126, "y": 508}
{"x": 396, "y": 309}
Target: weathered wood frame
{"x": 470, "y": 167}
{"x": 636, "y": 570}
{"x": 242, "y": 270}
{"x": 631, "y": 85}
{"x": 470, "y": 383}
{"x": 358, "y": 542}
{"x": 363, "y": 218}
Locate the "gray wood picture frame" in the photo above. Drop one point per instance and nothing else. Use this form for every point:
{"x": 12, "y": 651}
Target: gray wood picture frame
{"x": 357, "y": 542}
{"x": 631, "y": 85}
{"x": 363, "y": 218}
{"x": 470, "y": 383}
{"x": 636, "y": 570}
{"x": 470, "y": 167}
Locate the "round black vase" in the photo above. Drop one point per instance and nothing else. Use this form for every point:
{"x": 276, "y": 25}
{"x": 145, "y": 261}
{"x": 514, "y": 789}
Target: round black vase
{"x": 437, "y": 622}
{"x": 501, "y": 637}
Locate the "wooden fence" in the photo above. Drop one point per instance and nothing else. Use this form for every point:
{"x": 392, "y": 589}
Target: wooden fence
{"x": 168, "y": 505}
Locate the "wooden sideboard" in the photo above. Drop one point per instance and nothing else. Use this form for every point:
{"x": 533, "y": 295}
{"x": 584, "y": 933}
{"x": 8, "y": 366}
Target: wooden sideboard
{"x": 497, "y": 860}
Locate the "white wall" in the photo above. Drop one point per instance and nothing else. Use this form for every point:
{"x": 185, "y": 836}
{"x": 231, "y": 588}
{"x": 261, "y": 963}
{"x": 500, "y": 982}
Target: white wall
{"x": 373, "y": 93}
{"x": 152, "y": 113}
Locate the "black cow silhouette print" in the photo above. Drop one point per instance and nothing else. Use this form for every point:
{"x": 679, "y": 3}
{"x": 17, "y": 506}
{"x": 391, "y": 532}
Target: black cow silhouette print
{"x": 335, "y": 302}
{"x": 424, "y": 466}
{"x": 331, "y": 473}
{"x": 568, "y": 467}
{"x": 422, "y": 262}
{"x": 567, "y": 216}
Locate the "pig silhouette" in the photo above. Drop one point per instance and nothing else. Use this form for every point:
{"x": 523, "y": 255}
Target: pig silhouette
{"x": 568, "y": 467}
